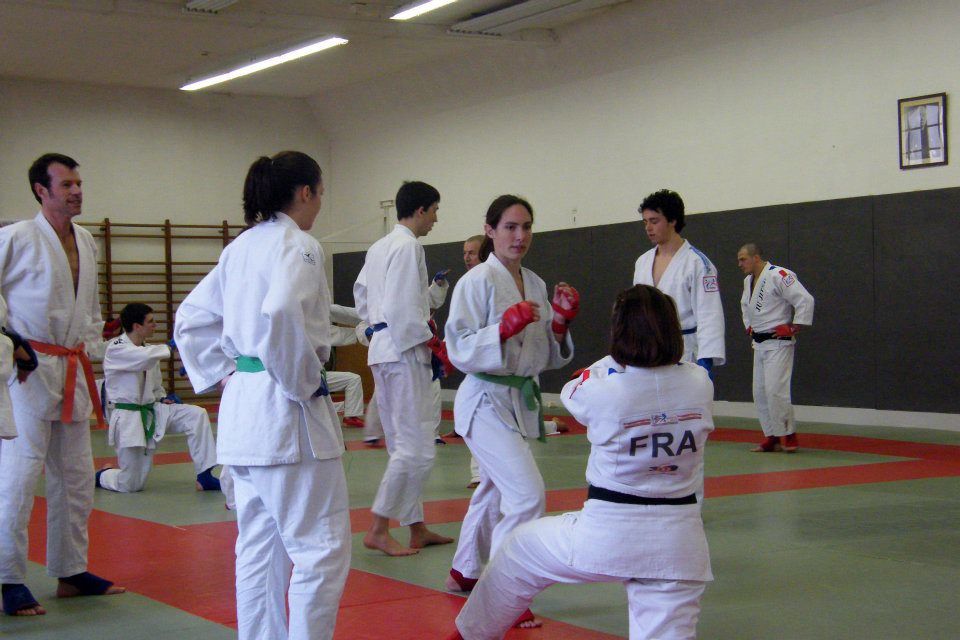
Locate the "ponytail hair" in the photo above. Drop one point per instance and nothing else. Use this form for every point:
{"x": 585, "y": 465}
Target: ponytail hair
{"x": 494, "y": 213}
{"x": 272, "y": 182}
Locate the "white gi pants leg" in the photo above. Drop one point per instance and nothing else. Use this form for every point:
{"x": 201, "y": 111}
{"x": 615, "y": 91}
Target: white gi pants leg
{"x": 403, "y": 393}
{"x": 64, "y": 449}
{"x": 772, "y": 372}
{"x": 536, "y": 556}
{"x": 352, "y": 387}
{"x": 474, "y": 469}
{"x": 510, "y": 484}
{"x": 433, "y": 418}
{"x": 135, "y": 464}
{"x": 372, "y": 425}
{"x": 291, "y": 515}
{"x": 195, "y": 423}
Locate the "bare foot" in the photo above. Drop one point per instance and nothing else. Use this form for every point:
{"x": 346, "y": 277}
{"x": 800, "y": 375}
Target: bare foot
{"x": 423, "y": 537}
{"x": 388, "y": 544}
{"x": 529, "y": 624}
{"x": 527, "y": 621}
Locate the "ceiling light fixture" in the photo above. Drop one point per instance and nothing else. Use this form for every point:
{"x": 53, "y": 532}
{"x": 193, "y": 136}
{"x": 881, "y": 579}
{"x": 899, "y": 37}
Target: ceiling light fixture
{"x": 266, "y": 63}
{"x": 419, "y": 8}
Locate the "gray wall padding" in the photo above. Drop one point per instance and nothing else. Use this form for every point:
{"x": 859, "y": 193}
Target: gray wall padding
{"x": 883, "y": 270}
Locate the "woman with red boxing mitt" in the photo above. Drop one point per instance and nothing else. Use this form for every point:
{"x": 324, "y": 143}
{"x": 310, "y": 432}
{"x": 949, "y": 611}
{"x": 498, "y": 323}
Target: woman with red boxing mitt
{"x": 499, "y": 334}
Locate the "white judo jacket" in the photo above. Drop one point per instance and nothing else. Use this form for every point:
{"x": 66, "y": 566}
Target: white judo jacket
{"x": 472, "y": 333}
{"x": 266, "y": 298}
{"x": 8, "y": 428}
{"x": 647, "y": 428}
{"x": 132, "y": 374}
{"x": 36, "y": 282}
{"x": 692, "y": 281}
{"x": 778, "y": 298}
{"x": 392, "y": 288}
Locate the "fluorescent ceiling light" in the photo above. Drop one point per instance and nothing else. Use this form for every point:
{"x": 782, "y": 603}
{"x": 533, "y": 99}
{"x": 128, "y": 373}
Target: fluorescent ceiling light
{"x": 420, "y": 8}
{"x": 272, "y": 61}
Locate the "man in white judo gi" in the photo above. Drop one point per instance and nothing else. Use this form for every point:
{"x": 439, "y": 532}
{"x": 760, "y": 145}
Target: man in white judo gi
{"x": 141, "y": 413}
{"x": 775, "y": 306}
{"x": 48, "y": 276}
{"x": 391, "y": 294}
{"x": 685, "y": 274}
{"x": 346, "y": 381}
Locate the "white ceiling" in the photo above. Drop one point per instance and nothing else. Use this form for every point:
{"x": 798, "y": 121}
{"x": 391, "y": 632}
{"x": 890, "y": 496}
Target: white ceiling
{"x": 156, "y": 43}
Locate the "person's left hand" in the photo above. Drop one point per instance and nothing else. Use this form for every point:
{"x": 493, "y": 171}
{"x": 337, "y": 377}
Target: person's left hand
{"x": 566, "y": 306}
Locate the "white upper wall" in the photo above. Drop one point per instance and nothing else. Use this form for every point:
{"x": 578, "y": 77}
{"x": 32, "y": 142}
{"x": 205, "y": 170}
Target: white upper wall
{"x": 146, "y": 155}
{"x": 733, "y": 104}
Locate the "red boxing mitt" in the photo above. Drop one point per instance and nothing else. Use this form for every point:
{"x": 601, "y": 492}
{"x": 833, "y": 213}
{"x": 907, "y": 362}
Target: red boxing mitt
{"x": 786, "y": 330}
{"x": 515, "y": 318}
{"x": 566, "y": 306}
{"x": 111, "y": 328}
{"x": 438, "y": 348}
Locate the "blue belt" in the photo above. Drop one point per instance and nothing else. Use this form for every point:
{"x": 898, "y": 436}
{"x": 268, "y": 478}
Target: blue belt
{"x": 369, "y": 331}
{"x": 687, "y": 332}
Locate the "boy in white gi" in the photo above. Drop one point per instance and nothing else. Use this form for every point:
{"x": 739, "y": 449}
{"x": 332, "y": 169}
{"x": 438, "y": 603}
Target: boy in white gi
{"x": 647, "y": 416}
{"x": 141, "y": 413}
{"x": 259, "y": 326}
{"x": 685, "y": 274}
{"x": 48, "y": 277}
{"x": 775, "y": 306}
{"x": 391, "y": 294}
{"x": 498, "y": 335}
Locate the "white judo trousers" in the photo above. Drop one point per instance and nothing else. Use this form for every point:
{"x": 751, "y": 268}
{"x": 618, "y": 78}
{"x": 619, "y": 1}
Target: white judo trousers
{"x": 352, "y": 387}
{"x": 61, "y": 451}
{"x": 510, "y": 484}
{"x": 538, "y": 554}
{"x": 405, "y": 402}
{"x": 278, "y": 508}
{"x": 772, "y": 372}
{"x": 136, "y": 462}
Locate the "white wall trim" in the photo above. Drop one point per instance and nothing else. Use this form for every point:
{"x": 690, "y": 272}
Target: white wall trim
{"x": 805, "y": 413}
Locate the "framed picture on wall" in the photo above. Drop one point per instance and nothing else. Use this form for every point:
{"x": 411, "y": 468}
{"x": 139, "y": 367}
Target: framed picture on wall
{"x": 923, "y": 131}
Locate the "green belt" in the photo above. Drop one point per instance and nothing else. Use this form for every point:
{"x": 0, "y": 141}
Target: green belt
{"x": 252, "y": 364}
{"x": 249, "y": 364}
{"x": 147, "y": 416}
{"x": 529, "y": 389}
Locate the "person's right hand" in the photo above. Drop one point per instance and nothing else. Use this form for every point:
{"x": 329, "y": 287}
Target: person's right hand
{"x": 517, "y": 317}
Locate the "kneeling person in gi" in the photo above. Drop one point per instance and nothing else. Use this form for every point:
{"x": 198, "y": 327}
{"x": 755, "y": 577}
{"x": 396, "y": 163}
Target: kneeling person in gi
{"x": 141, "y": 413}
{"x": 647, "y": 416}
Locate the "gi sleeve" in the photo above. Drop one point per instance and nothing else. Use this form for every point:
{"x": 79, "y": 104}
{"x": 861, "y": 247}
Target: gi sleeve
{"x": 404, "y": 302}
{"x": 437, "y": 294}
{"x": 708, "y": 309}
{"x": 297, "y": 299}
{"x": 798, "y": 296}
{"x": 473, "y": 346}
{"x": 121, "y": 355}
{"x": 344, "y": 315}
{"x": 579, "y": 395}
{"x": 92, "y": 337}
{"x": 745, "y": 303}
{"x": 360, "y": 295}
{"x": 6, "y": 347}
{"x": 197, "y": 331}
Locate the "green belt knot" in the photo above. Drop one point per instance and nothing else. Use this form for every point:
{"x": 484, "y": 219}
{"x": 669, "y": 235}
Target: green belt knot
{"x": 147, "y": 416}
{"x": 529, "y": 391}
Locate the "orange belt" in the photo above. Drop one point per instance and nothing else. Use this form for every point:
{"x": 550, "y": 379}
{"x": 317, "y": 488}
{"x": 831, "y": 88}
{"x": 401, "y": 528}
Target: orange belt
{"x": 70, "y": 383}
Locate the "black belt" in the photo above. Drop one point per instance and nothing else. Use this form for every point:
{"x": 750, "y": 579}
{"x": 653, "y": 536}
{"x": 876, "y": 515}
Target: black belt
{"x": 763, "y": 337}
{"x": 599, "y": 493}
{"x": 687, "y": 332}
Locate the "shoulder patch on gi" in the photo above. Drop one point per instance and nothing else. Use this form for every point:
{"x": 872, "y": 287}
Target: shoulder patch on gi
{"x": 308, "y": 257}
{"x": 787, "y": 278}
{"x": 710, "y": 284}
